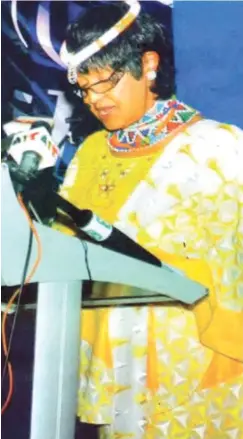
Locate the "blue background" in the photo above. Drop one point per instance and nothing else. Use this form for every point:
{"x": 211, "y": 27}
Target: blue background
{"x": 208, "y": 38}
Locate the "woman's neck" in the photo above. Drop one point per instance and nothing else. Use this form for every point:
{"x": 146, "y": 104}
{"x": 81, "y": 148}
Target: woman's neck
{"x": 159, "y": 122}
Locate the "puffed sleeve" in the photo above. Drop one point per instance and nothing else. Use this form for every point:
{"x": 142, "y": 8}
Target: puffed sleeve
{"x": 220, "y": 318}
{"x": 188, "y": 211}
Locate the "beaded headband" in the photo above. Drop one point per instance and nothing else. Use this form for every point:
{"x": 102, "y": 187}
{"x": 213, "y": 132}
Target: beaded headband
{"x": 73, "y": 60}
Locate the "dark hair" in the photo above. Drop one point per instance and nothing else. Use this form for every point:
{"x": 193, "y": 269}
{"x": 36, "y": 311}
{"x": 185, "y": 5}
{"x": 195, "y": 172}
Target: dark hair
{"x": 144, "y": 34}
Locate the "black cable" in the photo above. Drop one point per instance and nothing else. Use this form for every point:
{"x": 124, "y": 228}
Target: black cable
{"x": 24, "y": 275}
{"x": 86, "y": 258}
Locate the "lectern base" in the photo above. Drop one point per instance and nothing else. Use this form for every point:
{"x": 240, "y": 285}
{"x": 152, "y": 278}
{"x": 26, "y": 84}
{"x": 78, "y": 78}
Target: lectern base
{"x": 56, "y": 361}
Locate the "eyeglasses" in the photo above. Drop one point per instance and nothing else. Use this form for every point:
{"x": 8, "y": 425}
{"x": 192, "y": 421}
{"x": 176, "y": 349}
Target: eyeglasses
{"x": 101, "y": 87}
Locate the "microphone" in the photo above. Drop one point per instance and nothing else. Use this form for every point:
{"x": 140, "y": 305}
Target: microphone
{"x": 35, "y": 155}
{"x": 104, "y": 233}
{"x": 42, "y": 194}
{"x": 30, "y": 152}
{"x": 37, "y": 140}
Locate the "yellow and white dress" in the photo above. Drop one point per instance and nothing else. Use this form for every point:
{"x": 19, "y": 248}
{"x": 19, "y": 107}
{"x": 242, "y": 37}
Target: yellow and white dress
{"x": 168, "y": 371}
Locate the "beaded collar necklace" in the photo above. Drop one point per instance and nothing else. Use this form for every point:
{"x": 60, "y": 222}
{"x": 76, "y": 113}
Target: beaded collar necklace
{"x": 156, "y": 125}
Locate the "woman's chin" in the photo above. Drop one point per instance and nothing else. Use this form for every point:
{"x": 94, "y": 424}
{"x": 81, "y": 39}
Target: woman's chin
{"x": 111, "y": 125}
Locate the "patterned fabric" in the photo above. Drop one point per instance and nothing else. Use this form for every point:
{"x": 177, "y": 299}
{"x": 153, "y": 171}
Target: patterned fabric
{"x": 172, "y": 372}
{"x": 152, "y": 128}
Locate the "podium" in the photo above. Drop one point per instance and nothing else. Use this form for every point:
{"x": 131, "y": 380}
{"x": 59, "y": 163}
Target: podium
{"x": 59, "y": 276}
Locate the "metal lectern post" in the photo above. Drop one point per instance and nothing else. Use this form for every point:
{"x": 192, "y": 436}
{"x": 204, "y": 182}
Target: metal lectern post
{"x": 55, "y": 380}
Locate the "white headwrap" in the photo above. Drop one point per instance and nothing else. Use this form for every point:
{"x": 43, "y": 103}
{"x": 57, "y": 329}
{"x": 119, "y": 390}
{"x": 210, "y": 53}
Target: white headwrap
{"x": 73, "y": 60}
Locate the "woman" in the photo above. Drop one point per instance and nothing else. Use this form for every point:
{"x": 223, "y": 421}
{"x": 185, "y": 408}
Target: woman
{"x": 172, "y": 181}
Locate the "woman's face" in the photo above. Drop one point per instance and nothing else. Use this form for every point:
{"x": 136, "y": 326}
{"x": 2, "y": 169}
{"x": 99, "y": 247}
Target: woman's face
{"x": 126, "y": 100}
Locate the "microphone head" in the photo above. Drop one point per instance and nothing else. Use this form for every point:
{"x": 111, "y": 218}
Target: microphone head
{"x": 37, "y": 140}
